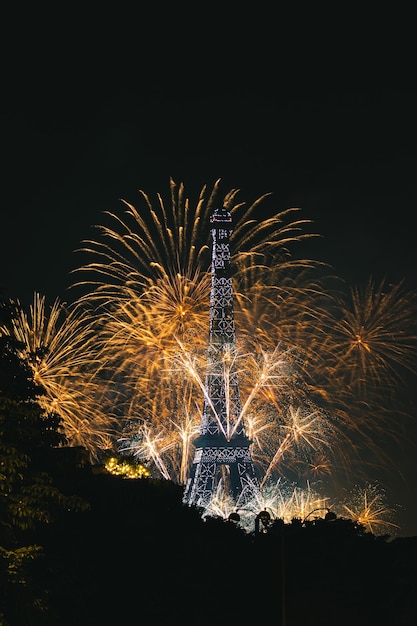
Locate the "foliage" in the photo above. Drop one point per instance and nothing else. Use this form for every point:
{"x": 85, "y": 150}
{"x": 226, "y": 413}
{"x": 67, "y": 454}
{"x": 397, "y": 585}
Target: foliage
{"x": 29, "y": 497}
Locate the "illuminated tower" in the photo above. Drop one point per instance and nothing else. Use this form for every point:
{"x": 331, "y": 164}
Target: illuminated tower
{"x": 222, "y": 456}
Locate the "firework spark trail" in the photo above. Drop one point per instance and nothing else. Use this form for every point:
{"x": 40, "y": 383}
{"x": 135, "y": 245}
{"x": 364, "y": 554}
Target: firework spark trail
{"x": 150, "y": 445}
{"x": 268, "y": 372}
{"x": 59, "y": 347}
{"x": 167, "y": 241}
{"x": 221, "y": 505}
{"x": 306, "y": 431}
{"x": 264, "y": 374}
{"x": 286, "y": 502}
{"x": 280, "y": 499}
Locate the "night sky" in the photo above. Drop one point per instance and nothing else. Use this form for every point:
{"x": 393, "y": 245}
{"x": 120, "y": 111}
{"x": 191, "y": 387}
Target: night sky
{"x": 347, "y": 159}
{"x": 327, "y": 124}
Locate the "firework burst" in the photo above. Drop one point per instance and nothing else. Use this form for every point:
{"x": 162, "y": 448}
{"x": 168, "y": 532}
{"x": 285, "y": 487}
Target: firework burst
{"x": 58, "y": 345}
{"x": 374, "y": 336}
{"x": 167, "y": 241}
{"x": 149, "y": 285}
{"x": 366, "y": 506}
{"x": 311, "y": 364}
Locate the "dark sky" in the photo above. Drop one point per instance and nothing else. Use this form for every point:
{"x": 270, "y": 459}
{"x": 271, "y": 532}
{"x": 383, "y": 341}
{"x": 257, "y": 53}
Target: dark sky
{"x": 318, "y": 109}
{"x": 347, "y": 159}
{"x": 323, "y": 118}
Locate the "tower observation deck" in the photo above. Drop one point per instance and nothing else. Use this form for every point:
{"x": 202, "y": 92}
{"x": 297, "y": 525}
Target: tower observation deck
{"x": 222, "y": 457}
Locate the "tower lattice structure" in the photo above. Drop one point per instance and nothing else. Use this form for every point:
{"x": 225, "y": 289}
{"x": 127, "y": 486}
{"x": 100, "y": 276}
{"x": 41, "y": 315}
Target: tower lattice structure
{"x": 222, "y": 458}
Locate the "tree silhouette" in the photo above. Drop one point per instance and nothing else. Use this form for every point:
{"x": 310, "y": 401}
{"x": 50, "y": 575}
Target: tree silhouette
{"x": 29, "y": 498}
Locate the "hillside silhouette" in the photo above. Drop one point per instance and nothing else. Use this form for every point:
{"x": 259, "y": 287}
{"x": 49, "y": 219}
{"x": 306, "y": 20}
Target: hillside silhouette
{"x": 140, "y": 552}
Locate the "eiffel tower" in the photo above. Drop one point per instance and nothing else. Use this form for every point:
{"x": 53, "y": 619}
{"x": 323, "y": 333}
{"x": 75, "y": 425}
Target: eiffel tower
{"x": 222, "y": 457}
